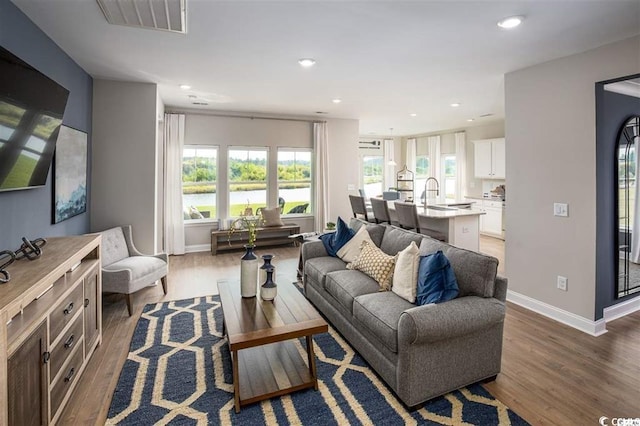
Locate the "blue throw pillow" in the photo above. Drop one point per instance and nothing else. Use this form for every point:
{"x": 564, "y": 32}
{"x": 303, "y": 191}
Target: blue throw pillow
{"x": 436, "y": 280}
{"x": 334, "y": 241}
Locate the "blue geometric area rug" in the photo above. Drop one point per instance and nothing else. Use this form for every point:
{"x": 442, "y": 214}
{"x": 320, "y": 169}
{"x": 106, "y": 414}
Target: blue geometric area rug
{"x": 178, "y": 372}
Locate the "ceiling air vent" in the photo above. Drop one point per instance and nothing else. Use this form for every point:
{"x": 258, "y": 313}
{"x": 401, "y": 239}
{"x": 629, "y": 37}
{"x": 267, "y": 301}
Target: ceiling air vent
{"x": 165, "y": 15}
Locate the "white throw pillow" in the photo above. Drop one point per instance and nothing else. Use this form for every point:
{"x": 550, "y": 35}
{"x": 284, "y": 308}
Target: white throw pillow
{"x": 350, "y": 251}
{"x": 405, "y": 274}
{"x": 271, "y": 217}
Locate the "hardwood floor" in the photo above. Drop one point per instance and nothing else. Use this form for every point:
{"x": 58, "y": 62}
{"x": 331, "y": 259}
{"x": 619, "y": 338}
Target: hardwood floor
{"x": 551, "y": 373}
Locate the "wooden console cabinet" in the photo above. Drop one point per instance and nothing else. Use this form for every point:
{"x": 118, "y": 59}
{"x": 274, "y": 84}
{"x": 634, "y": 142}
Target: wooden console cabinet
{"x": 50, "y": 325}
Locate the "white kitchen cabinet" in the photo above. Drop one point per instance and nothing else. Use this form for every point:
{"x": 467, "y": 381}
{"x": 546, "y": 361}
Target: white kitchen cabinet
{"x": 489, "y": 158}
{"x": 491, "y": 222}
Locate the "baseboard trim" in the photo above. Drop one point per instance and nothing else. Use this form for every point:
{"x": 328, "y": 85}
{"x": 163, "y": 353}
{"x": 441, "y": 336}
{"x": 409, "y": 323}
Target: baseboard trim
{"x": 195, "y": 248}
{"x": 594, "y": 328}
{"x": 621, "y": 309}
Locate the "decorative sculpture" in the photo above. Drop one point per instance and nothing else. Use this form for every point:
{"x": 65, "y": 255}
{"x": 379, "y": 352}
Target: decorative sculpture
{"x": 6, "y": 258}
{"x": 30, "y": 249}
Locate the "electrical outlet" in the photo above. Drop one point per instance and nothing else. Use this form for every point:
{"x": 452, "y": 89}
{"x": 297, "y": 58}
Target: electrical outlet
{"x": 561, "y": 209}
{"x": 562, "y": 283}
{"x": 465, "y": 230}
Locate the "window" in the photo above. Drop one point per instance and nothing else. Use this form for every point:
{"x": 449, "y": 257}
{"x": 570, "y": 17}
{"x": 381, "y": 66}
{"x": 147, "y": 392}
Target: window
{"x": 294, "y": 180}
{"x": 247, "y": 180}
{"x": 448, "y": 185}
{"x": 422, "y": 173}
{"x": 199, "y": 177}
{"x": 372, "y": 166}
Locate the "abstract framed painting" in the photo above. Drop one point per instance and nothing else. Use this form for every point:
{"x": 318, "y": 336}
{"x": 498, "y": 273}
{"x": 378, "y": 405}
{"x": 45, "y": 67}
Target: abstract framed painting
{"x": 70, "y": 174}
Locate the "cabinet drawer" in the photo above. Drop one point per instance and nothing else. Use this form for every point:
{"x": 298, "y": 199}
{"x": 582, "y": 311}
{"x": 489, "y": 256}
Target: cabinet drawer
{"x": 494, "y": 204}
{"x": 64, "y": 312}
{"x": 68, "y": 376}
{"x": 65, "y": 346}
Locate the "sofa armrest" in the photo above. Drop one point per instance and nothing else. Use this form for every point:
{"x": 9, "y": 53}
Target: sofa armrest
{"x": 500, "y": 291}
{"x": 162, "y": 256}
{"x": 313, "y": 249}
{"x": 457, "y": 317}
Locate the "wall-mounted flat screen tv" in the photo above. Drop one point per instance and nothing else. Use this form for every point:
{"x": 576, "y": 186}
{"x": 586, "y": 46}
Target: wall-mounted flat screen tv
{"x": 31, "y": 110}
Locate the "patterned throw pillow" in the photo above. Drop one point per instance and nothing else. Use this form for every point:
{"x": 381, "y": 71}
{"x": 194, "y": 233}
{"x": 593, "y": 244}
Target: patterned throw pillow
{"x": 375, "y": 263}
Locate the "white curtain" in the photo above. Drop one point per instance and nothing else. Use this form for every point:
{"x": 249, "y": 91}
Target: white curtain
{"x": 461, "y": 165}
{"x": 389, "y": 170}
{"x": 173, "y": 218}
{"x": 411, "y": 154}
{"x": 321, "y": 149}
{"x": 434, "y": 163}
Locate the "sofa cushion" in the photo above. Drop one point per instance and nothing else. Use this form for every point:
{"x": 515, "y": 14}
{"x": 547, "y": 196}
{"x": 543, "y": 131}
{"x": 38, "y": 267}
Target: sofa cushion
{"x": 346, "y": 285}
{"x": 396, "y": 239}
{"x": 436, "y": 281}
{"x": 350, "y": 251}
{"x": 375, "y": 263}
{"x": 375, "y": 231}
{"x": 475, "y": 272}
{"x": 317, "y": 268}
{"x": 334, "y": 241}
{"x": 380, "y": 313}
{"x": 405, "y": 273}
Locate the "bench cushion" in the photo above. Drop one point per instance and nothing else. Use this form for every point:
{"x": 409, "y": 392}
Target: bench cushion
{"x": 380, "y": 313}
{"x": 346, "y": 285}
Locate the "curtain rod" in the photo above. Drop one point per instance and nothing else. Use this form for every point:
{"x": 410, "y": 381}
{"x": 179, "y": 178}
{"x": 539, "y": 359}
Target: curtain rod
{"x": 252, "y": 117}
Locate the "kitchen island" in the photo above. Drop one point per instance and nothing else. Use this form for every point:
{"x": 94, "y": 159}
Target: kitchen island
{"x": 460, "y": 226}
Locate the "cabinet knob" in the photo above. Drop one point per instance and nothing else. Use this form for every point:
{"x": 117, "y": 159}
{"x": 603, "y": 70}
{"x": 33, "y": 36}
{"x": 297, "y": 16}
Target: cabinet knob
{"x": 69, "y": 376}
{"x": 68, "y": 309}
{"x": 46, "y": 357}
{"x": 86, "y": 302}
{"x": 69, "y": 342}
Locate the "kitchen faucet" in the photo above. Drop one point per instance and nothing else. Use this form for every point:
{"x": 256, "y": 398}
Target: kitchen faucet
{"x": 427, "y": 190}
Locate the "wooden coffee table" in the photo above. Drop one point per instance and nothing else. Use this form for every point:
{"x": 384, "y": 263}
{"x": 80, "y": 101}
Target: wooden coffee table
{"x": 265, "y": 360}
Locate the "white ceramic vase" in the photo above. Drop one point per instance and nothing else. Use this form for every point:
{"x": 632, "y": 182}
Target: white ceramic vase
{"x": 249, "y": 273}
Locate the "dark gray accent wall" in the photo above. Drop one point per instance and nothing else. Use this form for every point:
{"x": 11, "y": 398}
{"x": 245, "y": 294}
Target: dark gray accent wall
{"x": 612, "y": 111}
{"x": 28, "y": 212}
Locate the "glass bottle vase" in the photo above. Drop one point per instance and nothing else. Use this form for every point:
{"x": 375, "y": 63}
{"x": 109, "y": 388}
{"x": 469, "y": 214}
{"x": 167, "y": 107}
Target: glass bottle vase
{"x": 269, "y": 289}
{"x": 262, "y": 272}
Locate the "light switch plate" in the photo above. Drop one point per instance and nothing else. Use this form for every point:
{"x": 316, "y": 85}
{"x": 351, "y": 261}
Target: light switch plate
{"x": 561, "y": 209}
{"x": 351, "y": 187}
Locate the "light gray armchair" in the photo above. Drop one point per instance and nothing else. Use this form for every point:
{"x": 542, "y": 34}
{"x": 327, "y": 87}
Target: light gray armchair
{"x": 126, "y": 270}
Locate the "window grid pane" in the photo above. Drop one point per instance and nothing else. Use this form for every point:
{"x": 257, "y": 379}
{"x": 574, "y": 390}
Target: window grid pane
{"x": 247, "y": 180}
{"x": 294, "y": 181}
{"x": 199, "y": 182}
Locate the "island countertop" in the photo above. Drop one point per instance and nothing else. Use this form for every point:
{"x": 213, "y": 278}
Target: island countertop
{"x": 435, "y": 213}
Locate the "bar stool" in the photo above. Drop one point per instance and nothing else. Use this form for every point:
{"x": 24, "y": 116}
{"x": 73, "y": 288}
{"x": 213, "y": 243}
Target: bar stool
{"x": 408, "y": 219}
{"x": 380, "y": 210}
{"x": 358, "y": 207}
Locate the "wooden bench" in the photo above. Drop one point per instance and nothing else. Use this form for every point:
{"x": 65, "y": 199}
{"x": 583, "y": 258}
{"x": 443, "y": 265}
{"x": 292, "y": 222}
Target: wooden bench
{"x": 270, "y": 236}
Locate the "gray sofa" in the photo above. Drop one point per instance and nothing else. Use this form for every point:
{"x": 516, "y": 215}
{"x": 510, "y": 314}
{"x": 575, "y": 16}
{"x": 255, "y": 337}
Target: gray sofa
{"x": 420, "y": 351}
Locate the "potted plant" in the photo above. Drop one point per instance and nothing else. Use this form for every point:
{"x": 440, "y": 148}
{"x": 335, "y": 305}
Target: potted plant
{"x": 330, "y": 226}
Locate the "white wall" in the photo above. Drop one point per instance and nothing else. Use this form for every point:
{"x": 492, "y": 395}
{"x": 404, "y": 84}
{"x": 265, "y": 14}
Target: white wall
{"x": 123, "y": 160}
{"x": 203, "y": 129}
{"x": 550, "y": 133}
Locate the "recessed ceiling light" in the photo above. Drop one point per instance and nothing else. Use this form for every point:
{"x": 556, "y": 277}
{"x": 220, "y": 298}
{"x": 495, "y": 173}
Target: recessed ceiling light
{"x": 307, "y": 62}
{"x": 185, "y": 87}
{"x": 413, "y": 114}
{"x": 455, "y": 105}
{"x": 322, "y": 112}
{"x": 470, "y": 119}
{"x": 336, "y": 100}
{"x": 510, "y": 22}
